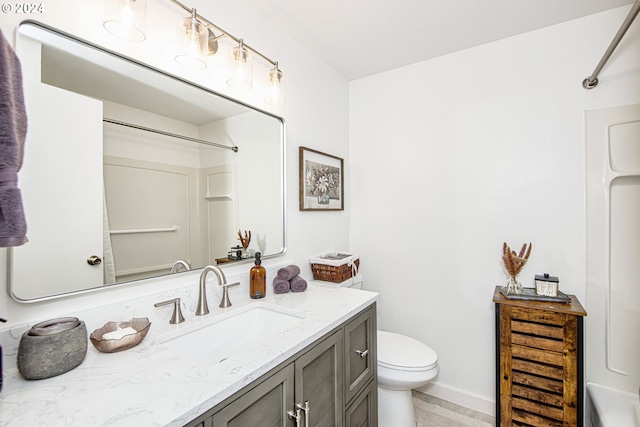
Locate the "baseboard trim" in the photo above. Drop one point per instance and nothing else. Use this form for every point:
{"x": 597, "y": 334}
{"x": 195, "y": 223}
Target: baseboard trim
{"x": 461, "y": 398}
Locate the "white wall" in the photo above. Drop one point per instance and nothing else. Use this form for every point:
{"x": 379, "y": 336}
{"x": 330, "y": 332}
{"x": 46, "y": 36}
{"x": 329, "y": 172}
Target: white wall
{"x": 453, "y": 156}
{"x": 316, "y": 115}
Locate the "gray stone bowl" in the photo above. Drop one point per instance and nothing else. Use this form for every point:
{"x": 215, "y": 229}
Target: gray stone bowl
{"x": 58, "y": 350}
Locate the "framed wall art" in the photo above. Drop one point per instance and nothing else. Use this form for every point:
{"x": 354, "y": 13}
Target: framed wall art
{"x": 321, "y": 181}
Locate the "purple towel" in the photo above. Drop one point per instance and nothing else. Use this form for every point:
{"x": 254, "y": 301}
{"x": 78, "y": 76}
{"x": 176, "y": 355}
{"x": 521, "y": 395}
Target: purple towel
{"x": 13, "y": 131}
{"x": 280, "y": 286}
{"x": 289, "y": 272}
{"x": 298, "y": 284}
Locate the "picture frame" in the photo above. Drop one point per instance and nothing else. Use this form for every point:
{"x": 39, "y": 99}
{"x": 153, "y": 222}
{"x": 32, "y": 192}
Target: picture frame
{"x": 321, "y": 181}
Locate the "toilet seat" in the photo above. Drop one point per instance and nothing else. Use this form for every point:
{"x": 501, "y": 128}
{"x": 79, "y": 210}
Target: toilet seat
{"x": 402, "y": 353}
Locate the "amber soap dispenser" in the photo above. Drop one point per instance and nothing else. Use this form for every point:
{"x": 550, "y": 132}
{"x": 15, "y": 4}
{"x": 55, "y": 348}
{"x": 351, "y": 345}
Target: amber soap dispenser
{"x": 258, "y": 279}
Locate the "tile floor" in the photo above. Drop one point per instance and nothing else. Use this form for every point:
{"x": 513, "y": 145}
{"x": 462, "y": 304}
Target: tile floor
{"x": 433, "y": 412}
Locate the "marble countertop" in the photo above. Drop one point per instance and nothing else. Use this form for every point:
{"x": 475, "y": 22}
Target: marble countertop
{"x": 157, "y": 384}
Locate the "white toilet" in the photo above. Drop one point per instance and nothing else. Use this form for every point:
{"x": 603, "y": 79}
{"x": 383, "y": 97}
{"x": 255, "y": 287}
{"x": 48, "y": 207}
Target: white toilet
{"x": 404, "y": 363}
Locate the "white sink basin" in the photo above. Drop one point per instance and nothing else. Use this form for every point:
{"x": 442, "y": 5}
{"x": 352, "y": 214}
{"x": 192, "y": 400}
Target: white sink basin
{"x": 220, "y": 336}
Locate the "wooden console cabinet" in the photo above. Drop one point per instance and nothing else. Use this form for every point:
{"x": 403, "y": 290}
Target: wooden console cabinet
{"x": 539, "y": 362}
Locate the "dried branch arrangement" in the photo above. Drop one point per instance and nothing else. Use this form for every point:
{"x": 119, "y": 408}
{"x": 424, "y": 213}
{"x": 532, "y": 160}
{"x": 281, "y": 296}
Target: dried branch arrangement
{"x": 244, "y": 240}
{"x": 513, "y": 262}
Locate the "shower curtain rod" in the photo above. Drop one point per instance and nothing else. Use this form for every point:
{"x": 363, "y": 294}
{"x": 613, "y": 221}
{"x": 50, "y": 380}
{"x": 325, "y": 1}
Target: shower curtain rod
{"x": 592, "y": 81}
{"x": 174, "y": 135}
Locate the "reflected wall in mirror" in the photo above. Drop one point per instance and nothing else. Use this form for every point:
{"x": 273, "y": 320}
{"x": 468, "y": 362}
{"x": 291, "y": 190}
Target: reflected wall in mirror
{"x": 128, "y": 170}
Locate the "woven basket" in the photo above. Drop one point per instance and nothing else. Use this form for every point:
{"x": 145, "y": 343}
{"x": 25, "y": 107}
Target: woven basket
{"x": 331, "y": 273}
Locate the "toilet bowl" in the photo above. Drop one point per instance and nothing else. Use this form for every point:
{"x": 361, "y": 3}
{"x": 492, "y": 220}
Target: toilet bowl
{"x": 403, "y": 364}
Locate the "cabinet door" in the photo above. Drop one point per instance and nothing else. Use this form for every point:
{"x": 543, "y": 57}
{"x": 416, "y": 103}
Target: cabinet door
{"x": 265, "y": 405}
{"x": 360, "y": 352}
{"x": 319, "y": 382}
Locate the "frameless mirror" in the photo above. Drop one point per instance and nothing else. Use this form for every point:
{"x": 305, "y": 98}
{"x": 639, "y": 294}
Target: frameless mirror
{"x": 130, "y": 172}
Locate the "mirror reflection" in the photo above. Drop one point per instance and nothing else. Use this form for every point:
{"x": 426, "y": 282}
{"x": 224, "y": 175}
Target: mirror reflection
{"x": 131, "y": 173}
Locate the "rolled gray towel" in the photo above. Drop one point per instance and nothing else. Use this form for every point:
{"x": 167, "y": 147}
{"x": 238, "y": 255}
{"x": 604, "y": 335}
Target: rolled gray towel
{"x": 280, "y": 286}
{"x": 288, "y": 272}
{"x": 298, "y": 284}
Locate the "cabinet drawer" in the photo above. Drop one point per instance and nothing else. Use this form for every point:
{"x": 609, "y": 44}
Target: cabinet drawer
{"x": 363, "y": 412}
{"x": 360, "y": 352}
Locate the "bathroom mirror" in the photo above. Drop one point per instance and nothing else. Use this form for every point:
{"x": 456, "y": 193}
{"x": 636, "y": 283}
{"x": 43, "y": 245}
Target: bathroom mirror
{"x": 129, "y": 170}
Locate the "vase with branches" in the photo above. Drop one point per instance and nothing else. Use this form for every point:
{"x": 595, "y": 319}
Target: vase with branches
{"x": 513, "y": 263}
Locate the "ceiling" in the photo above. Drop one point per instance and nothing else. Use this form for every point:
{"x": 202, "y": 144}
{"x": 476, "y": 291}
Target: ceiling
{"x": 359, "y": 38}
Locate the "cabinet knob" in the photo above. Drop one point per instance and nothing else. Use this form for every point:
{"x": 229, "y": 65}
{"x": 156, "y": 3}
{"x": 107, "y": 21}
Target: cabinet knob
{"x": 94, "y": 260}
{"x": 362, "y": 354}
{"x": 506, "y": 377}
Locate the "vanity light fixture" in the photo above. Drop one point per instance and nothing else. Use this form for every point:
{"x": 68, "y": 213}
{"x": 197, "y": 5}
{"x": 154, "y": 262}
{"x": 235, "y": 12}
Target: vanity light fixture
{"x": 242, "y": 56}
{"x": 191, "y": 44}
{"x": 241, "y": 68}
{"x": 126, "y": 18}
{"x": 276, "y": 92}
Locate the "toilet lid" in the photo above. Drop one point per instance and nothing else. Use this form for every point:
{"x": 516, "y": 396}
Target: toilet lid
{"x": 397, "y": 351}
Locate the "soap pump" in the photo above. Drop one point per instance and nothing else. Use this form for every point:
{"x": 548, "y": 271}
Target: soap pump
{"x": 258, "y": 279}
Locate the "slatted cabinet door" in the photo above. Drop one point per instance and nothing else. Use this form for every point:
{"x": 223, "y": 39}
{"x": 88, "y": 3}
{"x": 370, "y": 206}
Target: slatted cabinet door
{"x": 319, "y": 381}
{"x": 540, "y": 364}
{"x": 265, "y": 405}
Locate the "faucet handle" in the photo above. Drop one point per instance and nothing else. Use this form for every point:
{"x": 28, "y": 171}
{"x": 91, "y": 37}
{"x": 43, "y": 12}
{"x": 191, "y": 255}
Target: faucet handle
{"x": 225, "y": 302}
{"x": 176, "y": 317}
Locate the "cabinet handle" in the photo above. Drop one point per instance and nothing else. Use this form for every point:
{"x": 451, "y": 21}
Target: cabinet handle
{"x": 362, "y": 354}
{"x": 306, "y": 410}
{"x": 295, "y": 416}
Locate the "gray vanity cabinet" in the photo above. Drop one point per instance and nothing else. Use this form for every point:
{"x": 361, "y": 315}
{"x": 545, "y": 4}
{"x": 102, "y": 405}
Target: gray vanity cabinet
{"x": 335, "y": 375}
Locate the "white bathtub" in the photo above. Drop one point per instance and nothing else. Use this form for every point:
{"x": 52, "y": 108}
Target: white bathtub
{"x": 608, "y": 407}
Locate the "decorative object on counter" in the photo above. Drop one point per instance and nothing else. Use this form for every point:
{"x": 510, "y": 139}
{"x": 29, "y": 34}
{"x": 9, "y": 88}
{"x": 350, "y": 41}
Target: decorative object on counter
{"x": 258, "y": 279}
{"x": 288, "y": 279}
{"x": 3, "y": 321}
{"x": 119, "y": 336}
{"x": 51, "y": 348}
{"x": 531, "y": 294}
{"x": 281, "y": 286}
{"x": 514, "y": 263}
{"x": 288, "y": 272}
{"x": 245, "y": 241}
{"x": 321, "y": 181}
{"x": 547, "y": 285}
{"x": 298, "y": 284}
{"x": 335, "y": 267}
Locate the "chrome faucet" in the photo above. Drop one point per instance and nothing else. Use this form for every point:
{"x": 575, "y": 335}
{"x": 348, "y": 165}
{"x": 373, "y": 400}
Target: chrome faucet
{"x": 202, "y": 295}
{"x": 180, "y": 264}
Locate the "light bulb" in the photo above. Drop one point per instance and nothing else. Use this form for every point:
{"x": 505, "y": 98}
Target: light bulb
{"x": 126, "y": 19}
{"x": 241, "y": 76}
